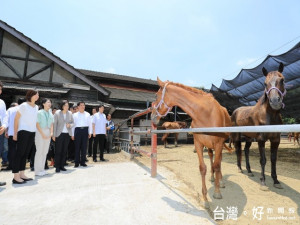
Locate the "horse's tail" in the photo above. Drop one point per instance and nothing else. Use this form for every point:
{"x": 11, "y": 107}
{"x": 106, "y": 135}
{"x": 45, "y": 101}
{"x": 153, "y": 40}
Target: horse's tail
{"x": 228, "y": 148}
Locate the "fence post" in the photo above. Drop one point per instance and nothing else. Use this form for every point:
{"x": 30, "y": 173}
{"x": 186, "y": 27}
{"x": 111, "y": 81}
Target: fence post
{"x": 153, "y": 152}
{"x": 131, "y": 140}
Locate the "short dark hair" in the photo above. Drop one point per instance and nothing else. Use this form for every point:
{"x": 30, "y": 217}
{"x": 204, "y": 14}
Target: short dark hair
{"x": 63, "y": 103}
{"x": 21, "y": 100}
{"x": 13, "y": 104}
{"x": 44, "y": 100}
{"x": 29, "y": 94}
{"x": 101, "y": 106}
{"x": 80, "y": 103}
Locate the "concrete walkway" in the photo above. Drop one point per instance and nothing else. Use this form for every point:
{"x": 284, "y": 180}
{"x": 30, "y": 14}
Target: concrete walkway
{"x": 106, "y": 193}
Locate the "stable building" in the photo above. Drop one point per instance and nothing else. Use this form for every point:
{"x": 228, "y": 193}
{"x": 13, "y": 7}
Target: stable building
{"x": 24, "y": 65}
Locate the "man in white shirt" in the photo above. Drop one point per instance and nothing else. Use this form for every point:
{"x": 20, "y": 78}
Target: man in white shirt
{"x": 3, "y": 125}
{"x": 91, "y": 141}
{"x": 99, "y": 133}
{"x": 81, "y": 131}
{"x": 12, "y": 145}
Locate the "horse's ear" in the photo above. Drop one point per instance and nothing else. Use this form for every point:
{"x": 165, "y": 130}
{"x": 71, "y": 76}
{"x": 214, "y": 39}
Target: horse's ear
{"x": 265, "y": 72}
{"x": 160, "y": 83}
{"x": 280, "y": 69}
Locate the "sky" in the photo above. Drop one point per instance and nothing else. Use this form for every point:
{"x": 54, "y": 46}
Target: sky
{"x": 194, "y": 42}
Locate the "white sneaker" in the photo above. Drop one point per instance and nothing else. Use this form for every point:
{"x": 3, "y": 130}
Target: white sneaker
{"x": 46, "y": 173}
{"x": 40, "y": 174}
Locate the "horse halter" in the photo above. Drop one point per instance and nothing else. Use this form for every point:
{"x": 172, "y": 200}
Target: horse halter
{"x": 162, "y": 102}
{"x": 281, "y": 94}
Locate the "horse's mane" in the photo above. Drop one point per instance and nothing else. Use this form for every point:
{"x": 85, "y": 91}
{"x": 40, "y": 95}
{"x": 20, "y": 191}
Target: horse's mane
{"x": 262, "y": 99}
{"x": 191, "y": 89}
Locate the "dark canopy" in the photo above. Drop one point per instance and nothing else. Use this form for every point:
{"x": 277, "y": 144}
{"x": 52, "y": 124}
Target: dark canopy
{"x": 248, "y": 86}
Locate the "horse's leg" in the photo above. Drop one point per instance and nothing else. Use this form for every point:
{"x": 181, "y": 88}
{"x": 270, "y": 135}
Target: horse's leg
{"x": 274, "y": 148}
{"x": 211, "y": 156}
{"x": 238, "y": 152}
{"x": 263, "y": 161}
{"x": 202, "y": 168}
{"x": 230, "y": 142}
{"x": 164, "y": 139}
{"x": 217, "y": 170}
{"x": 222, "y": 184}
{"x": 294, "y": 140}
{"x": 176, "y": 138}
{"x": 247, "y": 147}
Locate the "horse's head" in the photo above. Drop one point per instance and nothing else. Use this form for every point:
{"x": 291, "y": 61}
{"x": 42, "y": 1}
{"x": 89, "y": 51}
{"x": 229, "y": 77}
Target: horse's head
{"x": 274, "y": 87}
{"x": 161, "y": 106}
{"x": 182, "y": 124}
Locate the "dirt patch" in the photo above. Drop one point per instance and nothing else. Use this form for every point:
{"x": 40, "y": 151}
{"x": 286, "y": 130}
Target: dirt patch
{"x": 276, "y": 206}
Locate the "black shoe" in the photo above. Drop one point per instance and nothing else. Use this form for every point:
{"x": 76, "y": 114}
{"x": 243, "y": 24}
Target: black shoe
{"x": 76, "y": 165}
{"x": 63, "y": 169}
{"x": 27, "y": 179}
{"x": 2, "y": 183}
{"x": 8, "y": 168}
{"x": 95, "y": 160}
{"x": 57, "y": 170}
{"x": 17, "y": 182}
{"x": 103, "y": 160}
{"x": 84, "y": 165}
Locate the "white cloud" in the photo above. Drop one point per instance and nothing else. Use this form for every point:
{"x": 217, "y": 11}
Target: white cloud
{"x": 190, "y": 82}
{"x": 245, "y": 62}
{"x": 110, "y": 70}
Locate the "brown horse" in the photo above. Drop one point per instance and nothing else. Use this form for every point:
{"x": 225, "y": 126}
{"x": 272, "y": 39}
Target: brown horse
{"x": 295, "y": 136}
{"x": 265, "y": 112}
{"x": 205, "y": 111}
{"x": 172, "y": 125}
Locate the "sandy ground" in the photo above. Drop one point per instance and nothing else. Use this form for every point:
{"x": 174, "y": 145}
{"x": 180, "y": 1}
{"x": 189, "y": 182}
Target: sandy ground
{"x": 118, "y": 191}
{"x": 276, "y": 206}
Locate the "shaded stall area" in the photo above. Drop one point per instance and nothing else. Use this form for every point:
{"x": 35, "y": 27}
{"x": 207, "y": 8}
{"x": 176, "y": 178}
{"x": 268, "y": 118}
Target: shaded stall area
{"x": 248, "y": 86}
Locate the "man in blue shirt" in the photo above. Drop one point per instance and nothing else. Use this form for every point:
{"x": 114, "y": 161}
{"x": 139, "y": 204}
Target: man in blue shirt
{"x": 110, "y": 132}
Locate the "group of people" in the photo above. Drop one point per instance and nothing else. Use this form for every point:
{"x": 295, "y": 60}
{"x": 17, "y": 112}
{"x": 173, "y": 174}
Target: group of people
{"x": 26, "y": 127}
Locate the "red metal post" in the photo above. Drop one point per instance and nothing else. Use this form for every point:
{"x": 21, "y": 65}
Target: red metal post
{"x": 131, "y": 141}
{"x": 153, "y": 152}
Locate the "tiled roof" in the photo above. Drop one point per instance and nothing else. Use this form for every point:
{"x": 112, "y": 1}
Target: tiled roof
{"x": 112, "y": 76}
{"x": 125, "y": 94}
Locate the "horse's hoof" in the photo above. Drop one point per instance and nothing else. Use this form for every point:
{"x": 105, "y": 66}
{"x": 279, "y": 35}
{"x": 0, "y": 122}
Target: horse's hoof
{"x": 278, "y": 186}
{"x": 222, "y": 184}
{"x": 264, "y": 188}
{"x": 206, "y": 205}
{"x": 217, "y": 195}
{"x": 212, "y": 179}
{"x": 250, "y": 174}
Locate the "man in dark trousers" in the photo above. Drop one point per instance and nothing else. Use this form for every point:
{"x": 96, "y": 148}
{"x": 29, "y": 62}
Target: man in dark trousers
{"x": 110, "y": 126}
{"x": 91, "y": 141}
{"x": 81, "y": 132}
{"x": 3, "y": 123}
{"x": 99, "y": 133}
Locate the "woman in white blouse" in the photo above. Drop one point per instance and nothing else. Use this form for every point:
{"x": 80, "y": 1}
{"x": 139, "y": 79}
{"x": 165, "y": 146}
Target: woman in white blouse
{"x": 24, "y": 133}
